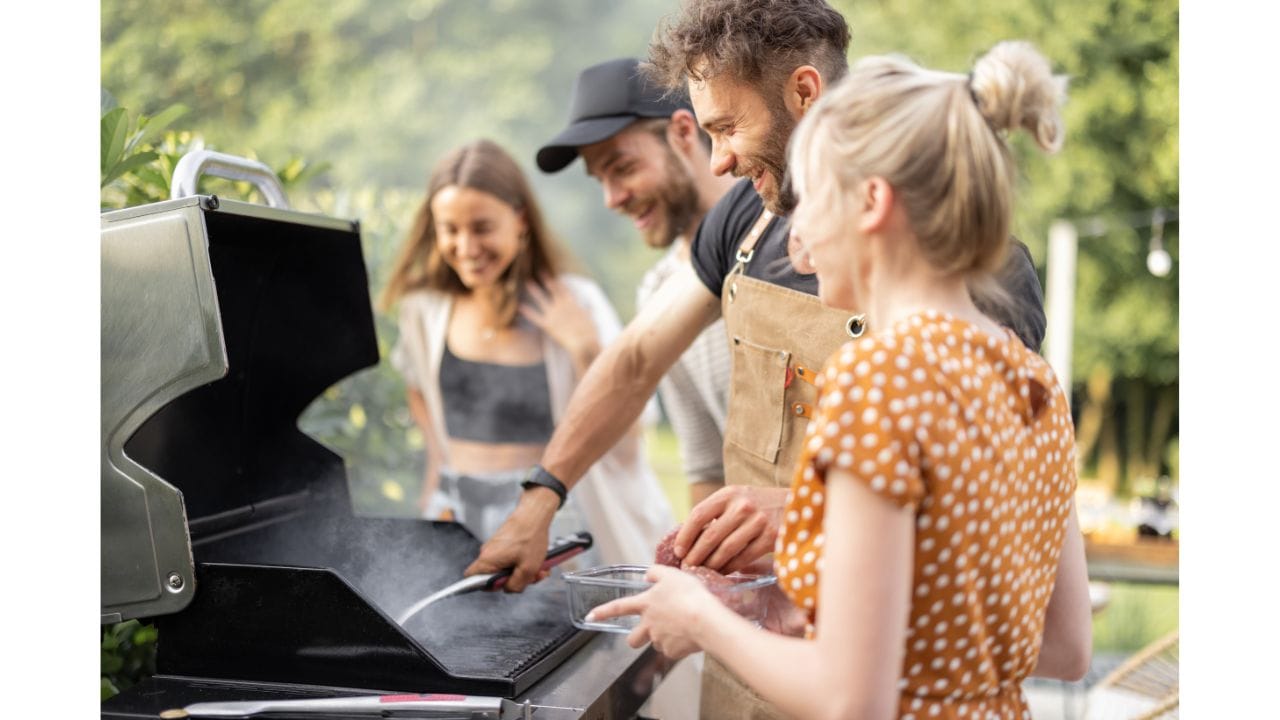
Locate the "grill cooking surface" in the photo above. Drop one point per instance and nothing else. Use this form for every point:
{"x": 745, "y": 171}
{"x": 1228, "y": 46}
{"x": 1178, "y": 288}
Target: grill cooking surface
{"x": 480, "y": 632}
{"x": 394, "y": 562}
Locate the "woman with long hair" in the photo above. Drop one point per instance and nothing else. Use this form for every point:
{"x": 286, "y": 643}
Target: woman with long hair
{"x": 494, "y": 335}
{"x": 930, "y": 538}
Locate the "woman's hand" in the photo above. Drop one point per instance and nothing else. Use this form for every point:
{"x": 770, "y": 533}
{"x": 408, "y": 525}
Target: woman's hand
{"x": 558, "y": 314}
{"x": 672, "y": 613}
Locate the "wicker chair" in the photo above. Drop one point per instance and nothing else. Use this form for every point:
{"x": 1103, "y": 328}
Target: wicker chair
{"x": 1144, "y": 687}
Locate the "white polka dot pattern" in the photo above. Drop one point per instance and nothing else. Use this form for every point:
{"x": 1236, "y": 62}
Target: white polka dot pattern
{"x": 972, "y": 432}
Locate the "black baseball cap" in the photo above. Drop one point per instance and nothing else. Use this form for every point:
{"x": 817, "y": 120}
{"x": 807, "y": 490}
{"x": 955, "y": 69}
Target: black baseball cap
{"x": 608, "y": 97}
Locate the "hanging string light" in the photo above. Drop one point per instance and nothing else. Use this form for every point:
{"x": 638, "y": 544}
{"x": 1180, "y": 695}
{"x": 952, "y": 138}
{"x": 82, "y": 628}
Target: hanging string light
{"x": 1158, "y": 260}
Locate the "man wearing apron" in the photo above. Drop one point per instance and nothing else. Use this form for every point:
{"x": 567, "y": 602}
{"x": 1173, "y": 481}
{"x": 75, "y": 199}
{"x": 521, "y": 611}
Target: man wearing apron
{"x": 779, "y": 332}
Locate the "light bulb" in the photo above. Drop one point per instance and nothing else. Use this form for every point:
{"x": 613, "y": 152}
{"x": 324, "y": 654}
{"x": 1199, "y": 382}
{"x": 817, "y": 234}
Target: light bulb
{"x": 1159, "y": 262}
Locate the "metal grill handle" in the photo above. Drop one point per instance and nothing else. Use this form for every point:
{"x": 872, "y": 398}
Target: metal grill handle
{"x": 186, "y": 176}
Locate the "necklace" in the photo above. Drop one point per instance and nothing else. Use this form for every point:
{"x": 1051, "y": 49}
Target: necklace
{"x": 487, "y": 333}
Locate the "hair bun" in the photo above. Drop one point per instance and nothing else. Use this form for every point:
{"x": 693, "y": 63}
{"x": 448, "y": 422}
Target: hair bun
{"x": 1015, "y": 88}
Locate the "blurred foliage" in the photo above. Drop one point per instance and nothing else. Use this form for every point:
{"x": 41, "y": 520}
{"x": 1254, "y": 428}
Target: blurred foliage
{"x": 128, "y": 655}
{"x": 1135, "y": 616}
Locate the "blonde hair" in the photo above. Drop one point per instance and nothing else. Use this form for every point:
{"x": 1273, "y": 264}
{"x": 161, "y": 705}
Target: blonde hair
{"x": 938, "y": 139}
{"x": 479, "y": 165}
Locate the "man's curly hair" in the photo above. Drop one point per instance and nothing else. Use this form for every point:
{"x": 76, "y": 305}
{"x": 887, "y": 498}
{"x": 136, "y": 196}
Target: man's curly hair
{"x": 751, "y": 40}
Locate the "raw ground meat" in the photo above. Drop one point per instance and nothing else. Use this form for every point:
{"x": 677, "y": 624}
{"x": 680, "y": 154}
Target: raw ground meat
{"x": 666, "y": 554}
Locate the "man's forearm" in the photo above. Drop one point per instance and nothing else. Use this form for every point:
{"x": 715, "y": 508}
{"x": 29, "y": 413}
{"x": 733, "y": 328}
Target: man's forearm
{"x": 604, "y": 406}
{"x": 625, "y": 375}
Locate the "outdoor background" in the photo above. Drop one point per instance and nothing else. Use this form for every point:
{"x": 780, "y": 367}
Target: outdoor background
{"x": 353, "y": 100}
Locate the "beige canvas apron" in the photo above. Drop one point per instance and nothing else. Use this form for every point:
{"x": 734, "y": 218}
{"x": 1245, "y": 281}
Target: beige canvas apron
{"x": 779, "y": 339}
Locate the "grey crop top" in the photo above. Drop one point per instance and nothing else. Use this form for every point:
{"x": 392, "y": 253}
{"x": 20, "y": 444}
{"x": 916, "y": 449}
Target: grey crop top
{"x": 495, "y": 403}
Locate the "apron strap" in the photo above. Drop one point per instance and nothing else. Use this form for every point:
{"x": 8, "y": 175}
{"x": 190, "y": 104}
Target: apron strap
{"x": 748, "y": 248}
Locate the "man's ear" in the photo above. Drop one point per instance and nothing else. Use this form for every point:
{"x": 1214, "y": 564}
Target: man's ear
{"x": 877, "y": 199}
{"x": 682, "y": 131}
{"x": 804, "y": 87}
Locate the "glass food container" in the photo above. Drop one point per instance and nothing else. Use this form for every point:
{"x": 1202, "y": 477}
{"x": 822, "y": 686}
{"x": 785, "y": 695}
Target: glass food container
{"x": 588, "y": 589}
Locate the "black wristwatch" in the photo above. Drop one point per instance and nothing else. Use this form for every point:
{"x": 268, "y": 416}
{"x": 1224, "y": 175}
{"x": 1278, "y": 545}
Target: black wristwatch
{"x": 539, "y": 477}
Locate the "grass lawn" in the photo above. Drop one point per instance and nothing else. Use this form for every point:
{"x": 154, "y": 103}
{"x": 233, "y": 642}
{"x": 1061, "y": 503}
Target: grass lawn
{"x": 664, "y": 458}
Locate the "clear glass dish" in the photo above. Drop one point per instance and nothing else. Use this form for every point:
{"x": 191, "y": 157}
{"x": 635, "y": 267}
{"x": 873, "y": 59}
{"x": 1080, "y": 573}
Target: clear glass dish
{"x": 589, "y": 589}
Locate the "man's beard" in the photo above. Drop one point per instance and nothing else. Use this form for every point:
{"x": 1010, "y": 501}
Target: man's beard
{"x": 678, "y": 204}
{"x": 773, "y": 157}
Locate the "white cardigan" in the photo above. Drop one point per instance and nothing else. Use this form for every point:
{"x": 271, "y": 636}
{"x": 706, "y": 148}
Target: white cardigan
{"x": 623, "y": 504}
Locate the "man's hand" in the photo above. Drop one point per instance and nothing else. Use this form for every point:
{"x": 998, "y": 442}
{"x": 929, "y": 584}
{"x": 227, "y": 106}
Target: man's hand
{"x": 521, "y": 542}
{"x": 733, "y": 528}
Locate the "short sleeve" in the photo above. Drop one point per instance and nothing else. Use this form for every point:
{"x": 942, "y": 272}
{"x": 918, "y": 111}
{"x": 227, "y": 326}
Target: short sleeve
{"x": 715, "y": 242}
{"x": 700, "y": 441}
{"x": 863, "y": 424}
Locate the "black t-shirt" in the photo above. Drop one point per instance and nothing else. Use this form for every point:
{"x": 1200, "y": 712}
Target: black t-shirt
{"x": 721, "y": 232}
{"x": 715, "y": 246}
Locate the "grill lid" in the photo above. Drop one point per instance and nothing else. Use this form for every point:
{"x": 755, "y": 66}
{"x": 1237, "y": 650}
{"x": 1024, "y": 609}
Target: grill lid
{"x": 221, "y": 322}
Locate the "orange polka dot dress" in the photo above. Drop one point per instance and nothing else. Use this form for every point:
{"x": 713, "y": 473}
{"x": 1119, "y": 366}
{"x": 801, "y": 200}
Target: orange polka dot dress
{"x": 972, "y": 432}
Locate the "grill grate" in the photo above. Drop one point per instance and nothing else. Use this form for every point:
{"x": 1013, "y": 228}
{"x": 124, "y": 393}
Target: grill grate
{"x": 494, "y": 633}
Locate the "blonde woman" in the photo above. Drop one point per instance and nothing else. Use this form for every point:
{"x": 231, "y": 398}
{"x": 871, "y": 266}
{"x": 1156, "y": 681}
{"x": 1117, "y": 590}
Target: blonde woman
{"x": 930, "y": 536}
{"x": 494, "y": 336}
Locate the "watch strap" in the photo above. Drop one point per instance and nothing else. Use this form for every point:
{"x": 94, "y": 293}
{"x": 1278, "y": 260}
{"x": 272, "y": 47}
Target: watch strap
{"x": 538, "y": 476}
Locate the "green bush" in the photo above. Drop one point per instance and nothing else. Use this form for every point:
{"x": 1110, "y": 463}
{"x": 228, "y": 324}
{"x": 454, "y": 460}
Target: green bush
{"x": 128, "y": 655}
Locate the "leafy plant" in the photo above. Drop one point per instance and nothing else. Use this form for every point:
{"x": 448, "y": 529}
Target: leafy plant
{"x": 128, "y": 655}
{"x": 126, "y": 139}
{"x": 140, "y": 152}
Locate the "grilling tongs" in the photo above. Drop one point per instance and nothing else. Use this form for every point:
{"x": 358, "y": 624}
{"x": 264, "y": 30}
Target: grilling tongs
{"x": 561, "y": 549}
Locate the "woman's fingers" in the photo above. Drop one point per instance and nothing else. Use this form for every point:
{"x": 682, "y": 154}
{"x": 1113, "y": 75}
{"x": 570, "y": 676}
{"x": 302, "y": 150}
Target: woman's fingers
{"x": 633, "y": 605}
{"x": 657, "y": 572}
{"x": 639, "y": 636}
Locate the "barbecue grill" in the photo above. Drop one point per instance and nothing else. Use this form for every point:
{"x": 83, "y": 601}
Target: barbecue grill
{"x": 221, "y": 322}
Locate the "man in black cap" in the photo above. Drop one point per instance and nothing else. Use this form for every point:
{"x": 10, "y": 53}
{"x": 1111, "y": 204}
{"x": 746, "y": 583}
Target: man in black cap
{"x": 653, "y": 163}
